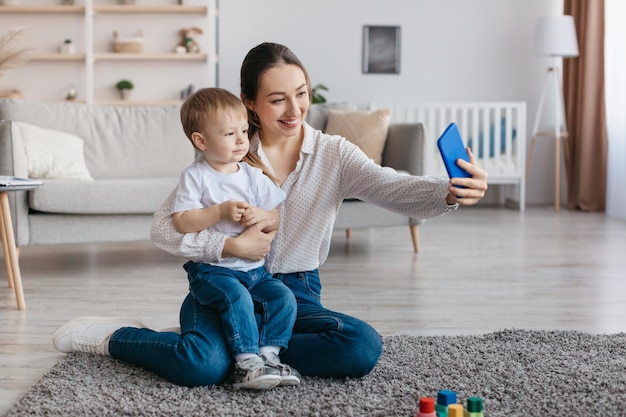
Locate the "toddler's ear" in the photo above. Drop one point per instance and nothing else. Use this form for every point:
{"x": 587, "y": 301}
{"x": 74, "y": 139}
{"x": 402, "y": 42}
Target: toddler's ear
{"x": 198, "y": 140}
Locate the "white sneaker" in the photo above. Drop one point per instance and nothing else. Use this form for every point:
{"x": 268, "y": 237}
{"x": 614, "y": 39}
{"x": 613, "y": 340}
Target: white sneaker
{"x": 288, "y": 375}
{"x": 252, "y": 373}
{"x": 89, "y": 334}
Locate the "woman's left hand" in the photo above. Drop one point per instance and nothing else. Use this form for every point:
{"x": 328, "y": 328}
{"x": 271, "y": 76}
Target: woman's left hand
{"x": 475, "y": 187}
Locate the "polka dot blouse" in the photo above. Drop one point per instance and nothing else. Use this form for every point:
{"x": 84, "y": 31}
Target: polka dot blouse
{"x": 329, "y": 170}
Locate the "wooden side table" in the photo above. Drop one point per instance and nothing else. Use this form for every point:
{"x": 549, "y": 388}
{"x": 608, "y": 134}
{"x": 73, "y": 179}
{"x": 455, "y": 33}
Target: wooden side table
{"x": 11, "y": 260}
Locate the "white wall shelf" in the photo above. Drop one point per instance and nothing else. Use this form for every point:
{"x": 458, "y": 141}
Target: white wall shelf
{"x": 150, "y": 9}
{"x": 104, "y": 9}
{"x": 142, "y": 56}
{"x": 58, "y": 57}
{"x": 42, "y": 9}
{"x": 132, "y": 102}
{"x": 94, "y": 69}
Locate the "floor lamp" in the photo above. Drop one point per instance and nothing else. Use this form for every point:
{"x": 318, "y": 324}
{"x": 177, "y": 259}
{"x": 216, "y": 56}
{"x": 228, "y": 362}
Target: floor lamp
{"x": 555, "y": 37}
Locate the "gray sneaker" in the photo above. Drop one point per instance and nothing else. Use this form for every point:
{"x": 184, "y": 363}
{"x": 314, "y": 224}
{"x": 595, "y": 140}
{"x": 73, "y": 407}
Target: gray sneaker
{"x": 288, "y": 375}
{"x": 252, "y": 373}
{"x": 89, "y": 334}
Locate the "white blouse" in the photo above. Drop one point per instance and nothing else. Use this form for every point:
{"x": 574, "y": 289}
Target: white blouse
{"x": 330, "y": 169}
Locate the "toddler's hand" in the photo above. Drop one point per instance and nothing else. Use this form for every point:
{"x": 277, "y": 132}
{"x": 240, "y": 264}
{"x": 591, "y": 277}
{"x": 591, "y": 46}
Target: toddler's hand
{"x": 253, "y": 215}
{"x": 233, "y": 210}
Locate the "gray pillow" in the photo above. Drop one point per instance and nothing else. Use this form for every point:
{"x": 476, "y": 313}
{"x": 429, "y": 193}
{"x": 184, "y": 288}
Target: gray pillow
{"x": 318, "y": 113}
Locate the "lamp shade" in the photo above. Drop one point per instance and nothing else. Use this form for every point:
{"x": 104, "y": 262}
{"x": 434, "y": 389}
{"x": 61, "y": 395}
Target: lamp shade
{"x": 556, "y": 36}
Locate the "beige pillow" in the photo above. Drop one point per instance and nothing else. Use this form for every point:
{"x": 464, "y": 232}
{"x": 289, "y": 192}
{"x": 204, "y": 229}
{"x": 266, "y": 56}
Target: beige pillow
{"x": 317, "y": 116}
{"x": 52, "y": 154}
{"x": 366, "y": 129}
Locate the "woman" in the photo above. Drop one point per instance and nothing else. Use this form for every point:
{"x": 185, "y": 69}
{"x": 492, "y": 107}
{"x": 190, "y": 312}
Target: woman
{"x": 317, "y": 172}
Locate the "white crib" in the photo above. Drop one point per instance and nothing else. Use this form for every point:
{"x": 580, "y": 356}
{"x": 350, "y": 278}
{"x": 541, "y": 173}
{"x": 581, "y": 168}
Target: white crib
{"x": 495, "y": 131}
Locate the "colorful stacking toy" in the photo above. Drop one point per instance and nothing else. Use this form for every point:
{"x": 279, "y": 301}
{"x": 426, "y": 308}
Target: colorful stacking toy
{"x": 427, "y": 408}
{"x": 474, "y": 407}
{"x": 444, "y": 399}
{"x": 446, "y": 406}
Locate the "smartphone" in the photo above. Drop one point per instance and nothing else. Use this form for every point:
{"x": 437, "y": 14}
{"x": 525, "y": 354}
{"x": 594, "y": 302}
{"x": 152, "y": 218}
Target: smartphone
{"x": 452, "y": 148}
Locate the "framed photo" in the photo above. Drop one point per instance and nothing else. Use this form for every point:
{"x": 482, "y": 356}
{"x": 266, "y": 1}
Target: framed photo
{"x": 381, "y": 49}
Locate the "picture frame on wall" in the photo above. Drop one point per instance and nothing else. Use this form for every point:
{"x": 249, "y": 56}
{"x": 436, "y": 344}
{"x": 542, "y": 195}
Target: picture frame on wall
{"x": 381, "y": 49}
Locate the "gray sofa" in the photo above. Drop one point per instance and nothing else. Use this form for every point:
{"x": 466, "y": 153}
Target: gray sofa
{"x": 134, "y": 156}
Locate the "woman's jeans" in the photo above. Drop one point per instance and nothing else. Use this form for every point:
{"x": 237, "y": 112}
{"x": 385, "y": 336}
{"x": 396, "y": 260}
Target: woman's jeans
{"x": 324, "y": 343}
{"x": 236, "y": 296}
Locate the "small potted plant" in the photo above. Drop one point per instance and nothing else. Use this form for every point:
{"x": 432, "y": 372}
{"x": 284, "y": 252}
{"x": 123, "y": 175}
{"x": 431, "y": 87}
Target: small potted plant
{"x": 67, "y": 47}
{"x": 124, "y": 87}
{"x": 318, "y": 96}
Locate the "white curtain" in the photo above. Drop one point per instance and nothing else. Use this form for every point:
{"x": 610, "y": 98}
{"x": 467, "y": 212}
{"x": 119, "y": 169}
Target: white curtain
{"x": 615, "y": 93}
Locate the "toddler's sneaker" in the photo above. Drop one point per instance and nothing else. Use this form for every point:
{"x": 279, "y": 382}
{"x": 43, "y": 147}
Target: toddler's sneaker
{"x": 89, "y": 334}
{"x": 251, "y": 373}
{"x": 288, "y": 375}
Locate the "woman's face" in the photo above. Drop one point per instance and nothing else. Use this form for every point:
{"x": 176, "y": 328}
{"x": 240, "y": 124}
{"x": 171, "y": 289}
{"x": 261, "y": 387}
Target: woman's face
{"x": 282, "y": 102}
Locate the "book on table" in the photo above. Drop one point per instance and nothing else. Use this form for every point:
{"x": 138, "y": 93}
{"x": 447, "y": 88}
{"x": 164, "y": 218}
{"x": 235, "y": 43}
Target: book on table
{"x": 15, "y": 183}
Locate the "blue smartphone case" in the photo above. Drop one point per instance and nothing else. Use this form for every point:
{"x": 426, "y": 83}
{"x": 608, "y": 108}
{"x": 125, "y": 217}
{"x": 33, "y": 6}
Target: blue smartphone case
{"x": 451, "y": 147}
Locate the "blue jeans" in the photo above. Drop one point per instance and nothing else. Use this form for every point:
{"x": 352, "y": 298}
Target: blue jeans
{"x": 324, "y": 343}
{"x": 236, "y": 296}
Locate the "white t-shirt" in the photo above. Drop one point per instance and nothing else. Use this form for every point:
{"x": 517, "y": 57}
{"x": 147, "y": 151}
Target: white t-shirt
{"x": 202, "y": 186}
{"x": 329, "y": 169}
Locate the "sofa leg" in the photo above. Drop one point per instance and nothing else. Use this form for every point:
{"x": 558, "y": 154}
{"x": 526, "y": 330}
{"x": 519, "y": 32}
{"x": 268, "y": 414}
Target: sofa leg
{"x": 415, "y": 237}
{"x": 348, "y": 233}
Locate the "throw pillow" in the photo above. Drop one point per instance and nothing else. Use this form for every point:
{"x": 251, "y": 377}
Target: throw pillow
{"x": 366, "y": 129}
{"x": 52, "y": 154}
{"x": 317, "y": 115}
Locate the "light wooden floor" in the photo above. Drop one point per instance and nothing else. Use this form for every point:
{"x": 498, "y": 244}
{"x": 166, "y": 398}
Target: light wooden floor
{"x": 479, "y": 270}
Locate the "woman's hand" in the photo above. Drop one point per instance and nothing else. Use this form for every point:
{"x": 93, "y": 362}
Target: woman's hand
{"x": 475, "y": 187}
{"x": 252, "y": 244}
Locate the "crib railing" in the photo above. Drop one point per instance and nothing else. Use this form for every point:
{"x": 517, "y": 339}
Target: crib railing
{"x": 495, "y": 131}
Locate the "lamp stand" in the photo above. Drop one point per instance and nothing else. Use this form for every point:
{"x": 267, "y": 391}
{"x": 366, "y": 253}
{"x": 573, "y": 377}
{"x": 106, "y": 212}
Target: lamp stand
{"x": 560, "y": 128}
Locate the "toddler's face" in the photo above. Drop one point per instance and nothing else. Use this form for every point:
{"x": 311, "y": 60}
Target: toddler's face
{"x": 226, "y": 140}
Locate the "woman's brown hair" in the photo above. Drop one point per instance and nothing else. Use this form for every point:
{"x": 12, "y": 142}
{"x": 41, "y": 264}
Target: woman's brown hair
{"x": 260, "y": 59}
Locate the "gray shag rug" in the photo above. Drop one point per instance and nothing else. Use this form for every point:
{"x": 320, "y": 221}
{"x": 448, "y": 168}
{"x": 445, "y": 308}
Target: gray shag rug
{"x": 515, "y": 372}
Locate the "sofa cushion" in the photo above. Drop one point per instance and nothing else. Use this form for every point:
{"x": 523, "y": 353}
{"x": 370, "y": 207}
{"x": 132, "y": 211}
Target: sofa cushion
{"x": 366, "y": 129}
{"x": 120, "y": 141}
{"x": 317, "y": 116}
{"x": 51, "y": 153}
{"x": 111, "y": 196}
{"x": 137, "y": 142}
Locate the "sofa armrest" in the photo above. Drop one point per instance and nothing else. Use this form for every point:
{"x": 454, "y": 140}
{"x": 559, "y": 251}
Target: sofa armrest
{"x": 12, "y": 153}
{"x": 13, "y": 162}
{"x": 405, "y": 148}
